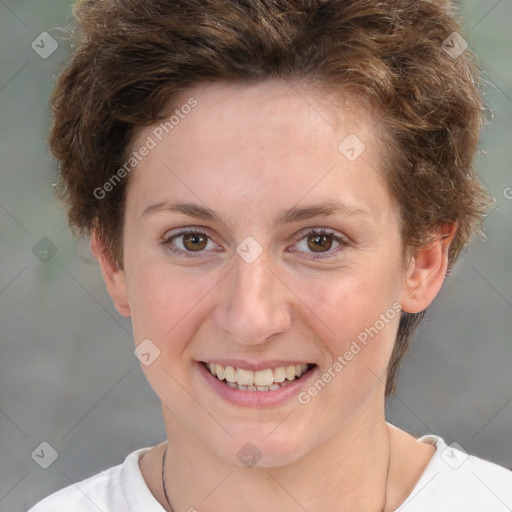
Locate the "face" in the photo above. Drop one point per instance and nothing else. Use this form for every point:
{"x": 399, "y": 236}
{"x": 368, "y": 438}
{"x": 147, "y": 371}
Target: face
{"x": 282, "y": 266}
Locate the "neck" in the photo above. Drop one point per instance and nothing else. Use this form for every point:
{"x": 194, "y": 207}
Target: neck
{"x": 348, "y": 471}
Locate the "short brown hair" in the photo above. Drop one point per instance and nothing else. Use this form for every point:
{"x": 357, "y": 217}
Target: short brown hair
{"x": 132, "y": 57}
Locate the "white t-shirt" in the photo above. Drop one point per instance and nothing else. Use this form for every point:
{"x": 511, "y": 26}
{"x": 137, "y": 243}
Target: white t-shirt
{"x": 452, "y": 482}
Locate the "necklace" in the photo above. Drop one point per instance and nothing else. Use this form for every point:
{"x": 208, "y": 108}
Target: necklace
{"x": 163, "y": 480}
{"x": 387, "y": 473}
{"x": 385, "y": 488}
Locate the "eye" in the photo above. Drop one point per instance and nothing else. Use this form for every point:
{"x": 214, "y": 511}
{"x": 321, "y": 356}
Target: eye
{"x": 320, "y": 242}
{"x": 187, "y": 242}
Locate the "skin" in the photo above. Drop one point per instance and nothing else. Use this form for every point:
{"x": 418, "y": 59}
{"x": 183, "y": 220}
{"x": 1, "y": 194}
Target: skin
{"x": 249, "y": 152}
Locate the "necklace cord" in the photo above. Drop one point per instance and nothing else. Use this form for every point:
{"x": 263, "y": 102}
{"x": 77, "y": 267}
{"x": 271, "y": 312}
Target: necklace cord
{"x": 163, "y": 479}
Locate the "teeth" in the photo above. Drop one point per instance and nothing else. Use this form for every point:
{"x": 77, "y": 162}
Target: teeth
{"x": 229, "y": 374}
{"x": 244, "y": 377}
{"x": 290, "y": 372}
{"x": 279, "y": 374}
{"x": 260, "y": 380}
{"x": 263, "y": 377}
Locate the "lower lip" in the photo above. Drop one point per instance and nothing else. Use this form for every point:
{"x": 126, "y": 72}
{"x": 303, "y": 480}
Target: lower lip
{"x": 255, "y": 398}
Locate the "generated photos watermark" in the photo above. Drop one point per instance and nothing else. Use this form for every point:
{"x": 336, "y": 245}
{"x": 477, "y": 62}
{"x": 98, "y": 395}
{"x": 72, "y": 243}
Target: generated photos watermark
{"x": 355, "y": 348}
{"x": 150, "y": 143}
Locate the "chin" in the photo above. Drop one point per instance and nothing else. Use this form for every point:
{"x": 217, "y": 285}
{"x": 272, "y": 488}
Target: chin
{"x": 254, "y": 447}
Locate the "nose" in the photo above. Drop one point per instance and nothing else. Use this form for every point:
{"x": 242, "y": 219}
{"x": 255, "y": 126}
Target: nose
{"x": 254, "y": 303}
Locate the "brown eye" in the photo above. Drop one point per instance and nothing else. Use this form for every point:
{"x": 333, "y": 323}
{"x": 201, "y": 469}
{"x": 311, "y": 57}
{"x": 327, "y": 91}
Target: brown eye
{"x": 320, "y": 243}
{"x": 195, "y": 241}
{"x": 189, "y": 243}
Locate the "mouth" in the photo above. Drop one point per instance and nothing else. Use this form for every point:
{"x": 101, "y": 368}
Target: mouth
{"x": 265, "y": 380}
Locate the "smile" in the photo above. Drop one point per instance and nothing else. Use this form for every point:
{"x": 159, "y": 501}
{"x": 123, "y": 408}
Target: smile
{"x": 269, "y": 379}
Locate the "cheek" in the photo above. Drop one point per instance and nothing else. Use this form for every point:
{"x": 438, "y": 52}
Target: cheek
{"x": 357, "y": 311}
{"x": 357, "y": 318}
{"x": 167, "y": 307}
{"x": 348, "y": 301}
{"x": 164, "y": 302}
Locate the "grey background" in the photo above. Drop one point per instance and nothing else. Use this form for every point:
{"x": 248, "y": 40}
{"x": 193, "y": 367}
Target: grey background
{"x": 67, "y": 371}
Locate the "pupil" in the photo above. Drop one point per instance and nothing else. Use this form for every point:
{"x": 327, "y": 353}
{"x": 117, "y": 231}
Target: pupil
{"x": 318, "y": 241}
{"x": 195, "y": 239}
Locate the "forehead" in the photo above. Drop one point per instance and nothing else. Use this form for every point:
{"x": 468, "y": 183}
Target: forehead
{"x": 273, "y": 106}
{"x": 272, "y": 142}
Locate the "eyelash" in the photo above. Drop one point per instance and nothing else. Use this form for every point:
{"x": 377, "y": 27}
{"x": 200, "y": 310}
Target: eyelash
{"x": 167, "y": 242}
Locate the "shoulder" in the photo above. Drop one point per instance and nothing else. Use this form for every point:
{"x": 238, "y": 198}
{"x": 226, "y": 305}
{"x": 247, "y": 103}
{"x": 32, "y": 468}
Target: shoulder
{"x": 111, "y": 490}
{"x": 455, "y": 481}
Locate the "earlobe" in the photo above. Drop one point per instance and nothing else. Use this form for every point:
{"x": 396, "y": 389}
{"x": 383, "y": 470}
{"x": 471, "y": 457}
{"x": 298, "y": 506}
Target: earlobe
{"x": 427, "y": 270}
{"x": 113, "y": 276}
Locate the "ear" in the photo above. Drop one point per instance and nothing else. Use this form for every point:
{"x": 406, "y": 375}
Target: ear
{"x": 114, "y": 277}
{"x": 427, "y": 270}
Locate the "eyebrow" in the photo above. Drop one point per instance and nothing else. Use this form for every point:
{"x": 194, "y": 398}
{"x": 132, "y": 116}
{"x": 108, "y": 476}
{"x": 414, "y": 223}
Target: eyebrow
{"x": 285, "y": 217}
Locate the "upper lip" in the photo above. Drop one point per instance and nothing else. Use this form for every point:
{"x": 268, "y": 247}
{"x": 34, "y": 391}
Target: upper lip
{"x": 255, "y": 366}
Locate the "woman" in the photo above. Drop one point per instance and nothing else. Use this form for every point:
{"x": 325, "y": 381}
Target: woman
{"x": 275, "y": 191}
